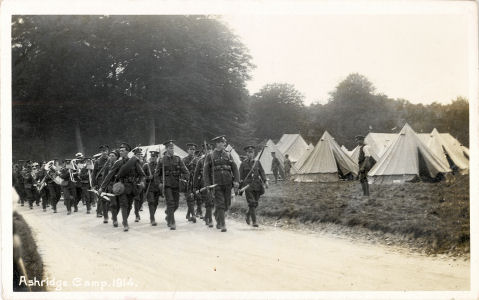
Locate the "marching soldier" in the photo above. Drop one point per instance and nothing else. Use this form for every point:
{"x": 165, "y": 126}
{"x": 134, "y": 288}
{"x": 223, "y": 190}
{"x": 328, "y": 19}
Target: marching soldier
{"x": 152, "y": 192}
{"x": 168, "y": 172}
{"x": 275, "y": 166}
{"x": 129, "y": 181}
{"x": 252, "y": 177}
{"x": 41, "y": 177}
{"x": 67, "y": 186}
{"x": 365, "y": 162}
{"x": 17, "y": 180}
{"x": 84, "y": 180}
{"x": 76, "y": 186}
{"x": 97, "y": 178}
{"x": 113, "y": 202}
{"x": 54, "y": 190}
{"x": 190, "y": 163}
{"x": 220, "y": 169}
{"x": 28, "y": 185}
{"x": 137, "y": 202}
{"x": 198, "y": 198}
{"x": 199, "y": 184}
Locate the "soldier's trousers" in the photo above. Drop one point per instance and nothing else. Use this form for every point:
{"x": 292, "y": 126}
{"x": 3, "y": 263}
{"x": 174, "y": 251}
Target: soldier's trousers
{"x": 36, "y": 195}
{"x": 86, "y": 195}
{"x": 252, "y": 197}
{"x": 207, "y": 198}
{"x": 54, "y": 193}
{"x": 190, "y": 202}
{"x": 45, "y": 197}
{"x": 29, "y": 196}
{"x": 126, "y": 201}
{"x": 275, "y": 174}
{"x": 172, "y": 196}
{"x": 21, "y": 192}
{"x": 99, "y": 205}
{"x": 68, "y": 197}
{"x": 114, "y": 207}
{"x": 199, "y": 204}
{"x": 152, "y": 199}
{"x": 222, "y": 202}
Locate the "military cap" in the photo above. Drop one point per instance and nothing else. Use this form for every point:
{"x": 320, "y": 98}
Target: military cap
{"x": 79, "y": 155}
{"x": 115, "y": 152}
{"x": 249, "y": 147}
{"x": 137, "y": 150}
{"x": 154, "y": 153}
{"x": 168, "y": 143}
{"x": 103, "y": 147}
{"x": 359, "y": 137}
{"x": 219, "y": 139}
{"x": 126, "y": 146}
{"x": 272, "y": 152}
{"x": 191, "y": 145}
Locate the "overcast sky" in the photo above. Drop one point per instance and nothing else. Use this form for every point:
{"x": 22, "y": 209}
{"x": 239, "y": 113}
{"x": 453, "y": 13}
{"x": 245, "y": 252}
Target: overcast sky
{"x": 421, "y": 58}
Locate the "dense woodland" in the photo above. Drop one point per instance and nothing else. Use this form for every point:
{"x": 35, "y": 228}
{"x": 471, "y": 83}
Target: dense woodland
{"x": 82, "y": 81}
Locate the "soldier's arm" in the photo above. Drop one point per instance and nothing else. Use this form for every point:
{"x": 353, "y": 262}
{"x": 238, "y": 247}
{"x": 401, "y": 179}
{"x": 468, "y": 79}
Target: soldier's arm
{"x": 184, "y": 169}
{"x": 158, "y": 172}
{"x": 94, "y": 173}
{"x": 196, "y": 173}
{"x": 241, "y": 172}
{"x": 113, "y": 171}
{"x": 140, "y": 171}
{"x": 234, "y": 168}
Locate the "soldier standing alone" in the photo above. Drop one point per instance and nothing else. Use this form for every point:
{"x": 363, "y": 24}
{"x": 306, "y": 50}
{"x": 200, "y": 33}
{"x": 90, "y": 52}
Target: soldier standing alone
{"x": 275, "y": 166}
{"x": 365, "y": 162}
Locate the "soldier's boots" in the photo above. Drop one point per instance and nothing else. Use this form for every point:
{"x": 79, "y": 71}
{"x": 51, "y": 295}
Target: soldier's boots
{"x": 55, "y": 210}
{"x": 221, "y": 218}
{"x": 248, "y": 216}
{"x": 253, "y": 216}
{"x": 125, "y": 227}
{"x": 188, "y": 214}
{"x": 88, "y": 211}
{"x": 153, "y": 222}
{"x": 115, "y": 223}
{"x": 172, "y": 222}
{"x": 69, "y": 212}
{"x": 44, "y": 209}
{"x": 137, "y": 218}
{"x": 105, "y": 220}
{"x": 75, "y": 208}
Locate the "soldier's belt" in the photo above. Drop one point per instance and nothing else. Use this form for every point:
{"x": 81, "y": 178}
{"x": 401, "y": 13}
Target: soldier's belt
{"x": 222, "y": 167}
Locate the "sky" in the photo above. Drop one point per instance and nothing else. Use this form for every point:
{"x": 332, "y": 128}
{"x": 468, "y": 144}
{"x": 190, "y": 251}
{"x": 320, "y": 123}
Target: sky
{"x": 420, "y": 58}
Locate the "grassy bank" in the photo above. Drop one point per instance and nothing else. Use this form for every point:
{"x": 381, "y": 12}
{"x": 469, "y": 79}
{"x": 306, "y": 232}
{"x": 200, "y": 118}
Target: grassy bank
{"x": 31, "y": 258}
{"x": 437, "y": 214}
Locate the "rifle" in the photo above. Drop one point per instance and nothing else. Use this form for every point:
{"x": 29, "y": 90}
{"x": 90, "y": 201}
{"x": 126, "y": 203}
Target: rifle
{"x": 242, "y": 189}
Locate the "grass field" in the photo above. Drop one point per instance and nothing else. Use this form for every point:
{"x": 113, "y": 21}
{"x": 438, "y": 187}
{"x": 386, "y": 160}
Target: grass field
{"x": 436, "y": 214}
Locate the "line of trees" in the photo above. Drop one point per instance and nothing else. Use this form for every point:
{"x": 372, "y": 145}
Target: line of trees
{"x": 82, "y": 81}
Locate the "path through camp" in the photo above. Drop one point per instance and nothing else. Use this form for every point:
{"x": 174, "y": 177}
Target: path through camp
{"x": 82, "y": 251}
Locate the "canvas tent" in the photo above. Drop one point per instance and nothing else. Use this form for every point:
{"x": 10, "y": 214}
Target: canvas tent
{"x": 379, "y": 142}
{"x": 354, "y": 154}
{"x": 266, "y": 159}
{"x": 297, "y": 165}
{"x": 161, "y": 148}
{"x": 234, "y": 155}
{"x": 444, "y": 143}
{"x": 406, "y": 158}
{"x": 325, "y": 162}
{"x": 292, "y": 144}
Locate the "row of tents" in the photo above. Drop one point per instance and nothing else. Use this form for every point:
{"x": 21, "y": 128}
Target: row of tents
{"x": 399, "y": 157}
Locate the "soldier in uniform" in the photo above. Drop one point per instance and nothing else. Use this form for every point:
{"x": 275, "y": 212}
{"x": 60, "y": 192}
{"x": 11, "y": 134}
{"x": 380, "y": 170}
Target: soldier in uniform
{"x": 97, "y": 178}
{"x": 66, "y": 187}
{"x": 54, "y": 190}
{"x": 137, "y": 201}
{"x": 275, "y": 166}
{"x": 287, "y": 167}
{"x": 113, "y": 203}
{"x": 129, "y": 173}
{"x": 76, "y": 186}
{"x": 168, "y": 172}
{"x": 41, "y": 178}
{"x": 152, "y": 192}
{"x": 190, "y": 163}
{"x": 365, "y": 162}
{"x": 17, "y": 180}
{"x": 220, "y": 169}
{"x": 199, "y": 183}
{"x": 28, "y": 187}
{"x": 252, "y": 175}
{"x": 84, "y": 180}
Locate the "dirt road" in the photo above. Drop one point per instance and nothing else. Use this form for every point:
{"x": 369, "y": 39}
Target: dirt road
{"x": 91, "y": 256}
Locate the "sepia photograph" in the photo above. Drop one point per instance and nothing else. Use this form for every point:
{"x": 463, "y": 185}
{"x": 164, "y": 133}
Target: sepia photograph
{"x": 238, "y": 150}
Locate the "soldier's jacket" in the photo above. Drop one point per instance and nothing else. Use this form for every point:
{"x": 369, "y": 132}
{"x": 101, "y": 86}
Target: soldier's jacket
{"x": 134, "y": 175}
{"x": 98, "y": 172}
{"x": 149, "y": 168}
{"x": 17, "y": 178}
{"x": 173, "y": 167}
{"x": 64, "y": 174}
{"x": 198, "y": 181}
{"x": 256, "y": 178}
{"x": 220, "y": 169}
{"x": 83, "y": 175}
{"x": 28, "y": 180}
{"x": 287, "y": 164}
{"x": 275, "y": 164}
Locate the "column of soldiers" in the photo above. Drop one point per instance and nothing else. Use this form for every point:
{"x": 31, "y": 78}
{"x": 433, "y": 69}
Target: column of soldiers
{"x": 116, "y": 183}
